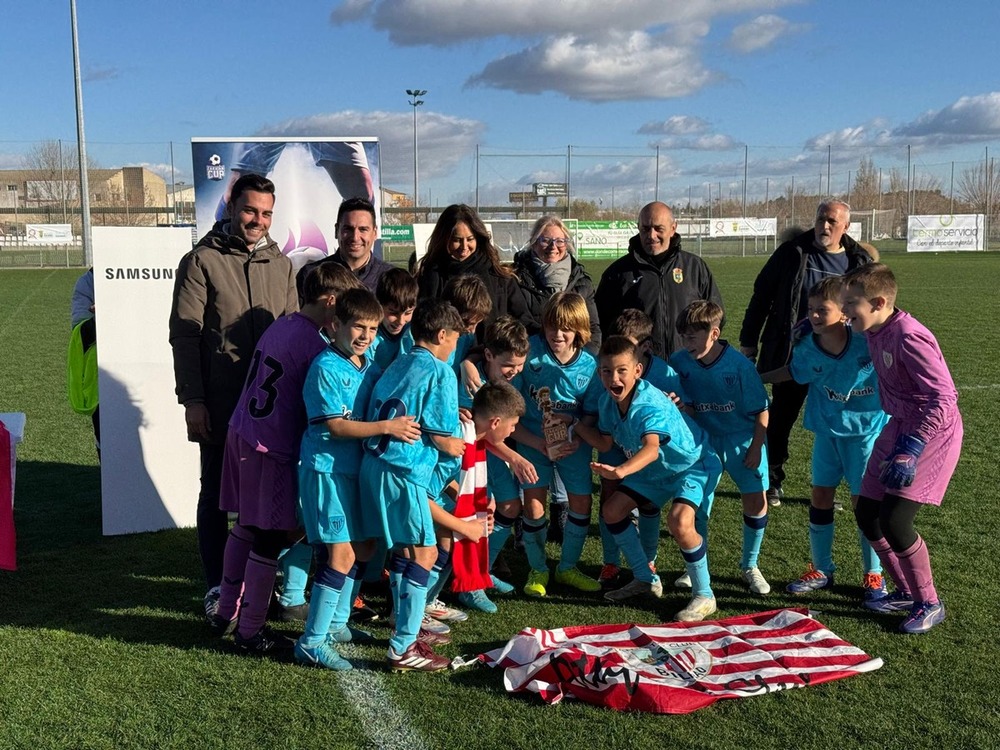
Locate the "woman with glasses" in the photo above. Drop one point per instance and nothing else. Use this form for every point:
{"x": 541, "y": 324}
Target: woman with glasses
{"x": 460, "y": 244}
{"x": 547, "y": 266}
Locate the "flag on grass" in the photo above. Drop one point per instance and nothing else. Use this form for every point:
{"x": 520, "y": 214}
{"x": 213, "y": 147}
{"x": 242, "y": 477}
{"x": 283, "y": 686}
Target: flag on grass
{"x": 678, "y": 667}
{"x": 8, "y": 558}
{"x": 471, "y": 560}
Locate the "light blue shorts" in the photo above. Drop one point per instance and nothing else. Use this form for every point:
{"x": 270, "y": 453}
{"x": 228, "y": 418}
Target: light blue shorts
{"x": 329, "y": 506}
{"x": 836, "y": 458}
{"x": 394, "y": 509}
{"x": 500, "y": 480}
{"x": 732, "y": 451}
{"x": 695, "y": 485}
{"x": 574, "y": 470}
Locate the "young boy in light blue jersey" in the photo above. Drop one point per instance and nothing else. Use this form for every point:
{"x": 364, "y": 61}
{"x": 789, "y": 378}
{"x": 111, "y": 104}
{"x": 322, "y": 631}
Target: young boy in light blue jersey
{"x": 636, "y": 326}
{"x": 396, "y": 291}
{"x": 467, "y": 294}
{"x": 844, "y": 411}
{"x": 396, "y": 476}
{"x": 667, "y": 459}
{"x": 730, "y": 404}
{"x": 336, "y": 392}
{"x": 559, "y": 384}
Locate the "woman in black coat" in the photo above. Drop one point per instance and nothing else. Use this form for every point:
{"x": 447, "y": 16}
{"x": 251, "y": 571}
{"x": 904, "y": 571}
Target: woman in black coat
{"x": 547, "y": 265}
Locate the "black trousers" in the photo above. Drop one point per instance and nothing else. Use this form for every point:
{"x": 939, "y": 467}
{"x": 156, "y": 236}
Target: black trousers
{"x": 213, "y": 524}
{"x": 786, "y": 403}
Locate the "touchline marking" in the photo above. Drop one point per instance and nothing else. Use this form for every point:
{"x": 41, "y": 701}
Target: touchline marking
{"x": 385, "y": 725}
{"x": 986, "y": 387}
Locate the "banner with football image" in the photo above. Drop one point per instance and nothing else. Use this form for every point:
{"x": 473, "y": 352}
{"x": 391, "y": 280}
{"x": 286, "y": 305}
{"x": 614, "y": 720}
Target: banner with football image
{"x": 312, "y": 176}
{"x": 678, "y": 667}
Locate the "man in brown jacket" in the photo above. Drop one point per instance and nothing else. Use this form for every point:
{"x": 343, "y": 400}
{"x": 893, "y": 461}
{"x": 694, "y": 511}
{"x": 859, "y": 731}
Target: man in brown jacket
{"x": 227, "y": 291}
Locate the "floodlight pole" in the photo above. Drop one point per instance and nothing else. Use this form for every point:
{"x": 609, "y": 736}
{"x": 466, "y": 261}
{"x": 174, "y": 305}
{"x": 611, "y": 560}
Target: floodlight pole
{"x": 88, "y": 250}
{"x": 415, "y": 101}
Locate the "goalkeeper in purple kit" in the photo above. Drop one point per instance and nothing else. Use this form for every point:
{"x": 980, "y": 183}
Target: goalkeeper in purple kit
{"x": 917, "y": 451}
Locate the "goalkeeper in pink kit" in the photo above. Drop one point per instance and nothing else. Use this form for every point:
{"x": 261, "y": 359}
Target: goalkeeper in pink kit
{"x": 917, "y": 451}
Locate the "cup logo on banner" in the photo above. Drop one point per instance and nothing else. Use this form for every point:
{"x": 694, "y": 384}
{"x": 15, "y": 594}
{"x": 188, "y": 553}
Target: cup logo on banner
{"x": 215, "y": 170}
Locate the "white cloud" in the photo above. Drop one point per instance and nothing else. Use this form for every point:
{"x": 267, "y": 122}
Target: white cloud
{"x": 163, "y": 170}
{"x": 100, "y": 73}
{"x": 676, "y": 125}
{"x": 443, "y": 22}
{"x": 614, "y": 67}
{"x": 970, "y": 118}
{"x": 708, "y": 142}
{"x": 443, "y": 141}
{"x": 762, "y": 32}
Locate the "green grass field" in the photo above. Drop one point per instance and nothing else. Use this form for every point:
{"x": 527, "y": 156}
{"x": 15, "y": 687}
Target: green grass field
{"x": 102, "y": 644}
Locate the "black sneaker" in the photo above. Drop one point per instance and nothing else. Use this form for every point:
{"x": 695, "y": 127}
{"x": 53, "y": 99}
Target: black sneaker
{"x": 220, "y": 626}
{"x": 361, "y": 612}
{"x": 264, "y": 643}
{"x": 774, "y": 495}
{"x": 278, "y": 612}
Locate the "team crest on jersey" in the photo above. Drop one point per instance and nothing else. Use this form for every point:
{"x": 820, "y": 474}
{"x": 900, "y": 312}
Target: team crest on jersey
{"x": 582, "y": 381}
{"x": 686, "y": 662}
{"x": 337, "y": 524}
{"x": 730, "y": 380}
{"x": 887, "y": 358}
{"x": 678, "y": 275}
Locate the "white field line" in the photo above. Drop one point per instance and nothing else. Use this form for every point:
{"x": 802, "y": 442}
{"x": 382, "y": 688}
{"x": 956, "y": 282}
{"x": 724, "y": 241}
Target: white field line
{"x": 383, "y": 722}
{"x": 984, "y": 387}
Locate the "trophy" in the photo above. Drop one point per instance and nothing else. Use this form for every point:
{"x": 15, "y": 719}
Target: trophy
{"x": 554, "y": 430}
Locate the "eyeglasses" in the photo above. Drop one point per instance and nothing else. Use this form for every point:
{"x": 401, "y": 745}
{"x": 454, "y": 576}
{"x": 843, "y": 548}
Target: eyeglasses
{"x": 552, "y": 241}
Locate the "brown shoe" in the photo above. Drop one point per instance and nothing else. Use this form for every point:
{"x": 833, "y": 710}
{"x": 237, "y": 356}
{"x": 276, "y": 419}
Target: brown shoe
{"x": 417, "y": 658}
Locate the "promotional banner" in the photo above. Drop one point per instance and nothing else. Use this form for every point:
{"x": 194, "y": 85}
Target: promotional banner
{"x": 743, "y": 227}
{"x": 48, "y": 234}
{"x": 312, "y": 176}
{"x": 149, "y": 470}
{"x": 946, "y": 232}
{"x": 603, "y": 239}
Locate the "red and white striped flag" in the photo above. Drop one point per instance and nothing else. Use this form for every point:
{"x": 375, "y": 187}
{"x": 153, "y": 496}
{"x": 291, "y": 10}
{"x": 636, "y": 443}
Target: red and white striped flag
{"x": 471, "y": 560}
{"x": 678, "y": 667}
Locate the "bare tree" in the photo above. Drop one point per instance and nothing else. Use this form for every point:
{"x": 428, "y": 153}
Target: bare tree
{"x": 57, "y": 168}
{"x": 979, "y": 188}
{"x": 864, "y": 192}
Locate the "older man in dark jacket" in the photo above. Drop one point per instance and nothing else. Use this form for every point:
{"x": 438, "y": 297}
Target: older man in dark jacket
{"x": 779, "y": 301}
{"x": 657, "y": 277}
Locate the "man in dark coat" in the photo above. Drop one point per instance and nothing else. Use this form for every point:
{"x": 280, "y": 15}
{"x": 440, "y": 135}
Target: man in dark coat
{"x": 657, "y": 277}
{"x": 779, "y": 301}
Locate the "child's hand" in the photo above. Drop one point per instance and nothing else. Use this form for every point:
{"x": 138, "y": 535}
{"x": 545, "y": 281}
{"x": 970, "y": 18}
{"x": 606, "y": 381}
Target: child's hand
{"x": 473, "y": 530}
{"x": 524, "y": 470}
{"x": 676, "y": 399}
{"x": 471, "y": 381}
{"x": 465, "y": 415}
{"x": 605, "y": 471}
{"x": 404, "y": 428}
{"x": 453, "y": 446}
{"x": 752, "y": 458}
{"x": 561, "y": 450}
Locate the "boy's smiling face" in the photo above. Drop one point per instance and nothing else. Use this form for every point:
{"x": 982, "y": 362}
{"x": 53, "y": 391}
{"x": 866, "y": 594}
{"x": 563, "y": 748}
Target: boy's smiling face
{"x": 619, "y": 374}
{"x": 504, "y": 365}
{"x": 395, "y": 320}
{"x": 355, "y": 335}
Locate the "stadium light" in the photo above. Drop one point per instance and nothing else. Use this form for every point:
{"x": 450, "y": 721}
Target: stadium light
{"x": 415, "y": 101}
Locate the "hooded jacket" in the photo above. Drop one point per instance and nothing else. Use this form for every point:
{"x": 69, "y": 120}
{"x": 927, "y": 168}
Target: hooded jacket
{"x": 773, "y": 309}
{"x": 225, "y": 297}
{"x": 536, "y": 295}
{"x": 661, "y": 288}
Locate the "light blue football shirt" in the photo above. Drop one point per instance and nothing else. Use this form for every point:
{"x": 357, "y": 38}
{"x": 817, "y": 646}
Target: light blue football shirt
{"x": 574, "y": 387}
{"x": 386, "y": 347}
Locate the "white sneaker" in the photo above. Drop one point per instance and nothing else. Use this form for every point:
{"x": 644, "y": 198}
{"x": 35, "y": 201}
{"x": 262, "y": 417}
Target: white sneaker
{"x": 756, "y": 581}
{"x": 441, "y": 611}
{"x": 684, "y": 582}
{"x": 697, "y": 609}
{"x": 636, "y": 588}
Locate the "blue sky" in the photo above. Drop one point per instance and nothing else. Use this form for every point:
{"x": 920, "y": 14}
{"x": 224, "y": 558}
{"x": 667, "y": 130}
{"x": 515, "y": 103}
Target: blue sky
{"x": 523, "y": 80}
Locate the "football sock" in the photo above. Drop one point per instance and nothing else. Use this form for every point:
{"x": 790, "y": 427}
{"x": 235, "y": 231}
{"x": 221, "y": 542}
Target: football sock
{"x": 328, "y": 589}
{"x": 574, "y": 535}
{"x": 696, "y": 564}
{"x": 258, "y": 585}
{"x": 345, "y": 604}
{"x": 412, "y": 600}
{"x": 397, "y": 564}
{"x": 533, "y": 534}
{"x": 234, "y": 565}
{"x": 869, "y": 560}
{"x": 753, "y": 535}
{"x": 627, "y": 539}
{"x": 821, "y": 539}
{"x": 890, "y": 564}
{"x": 649, "y": 532}
{"x": 439, "y": 574}
{"x": 503, "y": 527}
{"x": 609, "y": 549}
{"x": 916, "y": 565}
{"x": 294, "y": 562}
